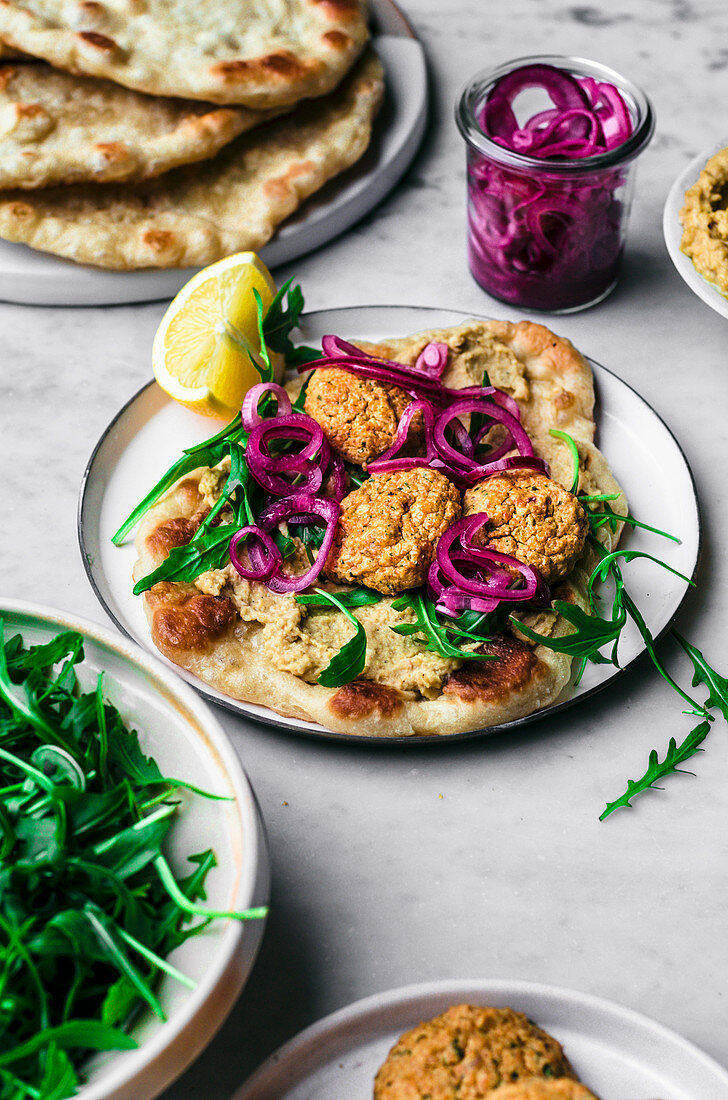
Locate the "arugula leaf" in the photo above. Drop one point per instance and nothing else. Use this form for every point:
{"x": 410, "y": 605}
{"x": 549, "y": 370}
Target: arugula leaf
{"x": 299, "y": 404}
{"x": 355, "y": 474}
{"x": 274, "y": 331}
{"x": 186, "y": 563}
{"x": 209, "y": 453}
{"x": 59, "y": 1079}
{"x": 126, "y": 756}
{"x": 658, "y": 769}
{"x": 432, "y": 631}
{"x": 346, "y": 665}
{"x": 358, "y": 597}
{"x": 91, "y": 1034}
{"x": 571, "y": 444}
{"x": 478, "y": 420}
{"x": 718, "y": 685}
{"x": 591, "y": 634}
{"x": 280, "y": 320}
{"x": 612, "y": 518}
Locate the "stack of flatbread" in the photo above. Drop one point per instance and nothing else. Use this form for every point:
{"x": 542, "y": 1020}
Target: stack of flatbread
{"x": 170, "y": 133}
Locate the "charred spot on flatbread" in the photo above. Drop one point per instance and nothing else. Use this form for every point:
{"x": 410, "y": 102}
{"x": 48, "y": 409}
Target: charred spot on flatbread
{"x": 193, "y": 623}
{"x": 174, "y": 532}
{"x": 281, "y": 64}
{"x": 492, "y": 681}
{"x": 362, "y": 698}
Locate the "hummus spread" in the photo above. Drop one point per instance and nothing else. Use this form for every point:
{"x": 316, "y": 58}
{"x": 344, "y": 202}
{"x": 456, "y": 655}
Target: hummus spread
{"x": 704, "y": 218}
{"x": 303, "y": 640}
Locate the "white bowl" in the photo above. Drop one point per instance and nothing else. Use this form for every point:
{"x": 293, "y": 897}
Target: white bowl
{"x": 672, "y": 231}
{"x": 178, "y": 729}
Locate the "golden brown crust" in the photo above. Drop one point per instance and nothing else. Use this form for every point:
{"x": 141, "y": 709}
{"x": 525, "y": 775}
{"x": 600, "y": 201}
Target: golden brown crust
{"x": 174, "y": 532}
{"x": 258, "y": 55}
{"x": 493, "y": 681}
{"x": 362, "y": 698}
{"x": 194, "y": 624}
{"x": 60, "y": 129}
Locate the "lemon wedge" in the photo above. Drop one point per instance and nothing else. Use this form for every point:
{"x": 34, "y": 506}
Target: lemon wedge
{"x": 201, "y": 350}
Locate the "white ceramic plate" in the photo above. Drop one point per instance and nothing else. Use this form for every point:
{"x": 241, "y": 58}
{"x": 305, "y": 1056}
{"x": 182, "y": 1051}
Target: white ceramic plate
{"x": 37, "y": 278}
{"x": 150, "y": 432}
{"x": 618, "y": 1053}
{"x": 179, "y": 730}
{"x": 672, "y": 231}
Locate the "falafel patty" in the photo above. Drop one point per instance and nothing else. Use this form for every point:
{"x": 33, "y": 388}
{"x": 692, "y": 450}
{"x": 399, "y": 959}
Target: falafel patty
{"x": 359, "y": 416}
{"x": 389, "y": 527}
{"x": 466, "y": 1053}
{"x": 536, "y": 1088}
{"x": 532, "y": 518}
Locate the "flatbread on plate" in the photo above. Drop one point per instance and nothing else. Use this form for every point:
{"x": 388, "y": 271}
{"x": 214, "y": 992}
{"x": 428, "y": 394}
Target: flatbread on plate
{"x": 259, "y": 55}
{"x": 197, "y": 214}
{"x": 56, "y": 128}
{"x": 253, "y": 645}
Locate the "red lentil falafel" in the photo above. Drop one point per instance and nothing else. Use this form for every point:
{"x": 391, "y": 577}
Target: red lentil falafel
{"x": 359, "y": 416}
{"x": 531, "y": 518}
{"x": 389, "y": 527}
{"x": 466, "y": 1053}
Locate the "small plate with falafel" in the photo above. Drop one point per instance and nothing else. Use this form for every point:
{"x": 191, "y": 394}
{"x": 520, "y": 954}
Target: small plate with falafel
{"x": 285, "y": 655}
{"x": 487, "y": 1040}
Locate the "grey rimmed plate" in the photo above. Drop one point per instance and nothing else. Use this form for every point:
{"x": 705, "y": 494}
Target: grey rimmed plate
{"x": 618, "y": 1053}
{"x": 149, "y": 433}
{"x": 38, "y": 278}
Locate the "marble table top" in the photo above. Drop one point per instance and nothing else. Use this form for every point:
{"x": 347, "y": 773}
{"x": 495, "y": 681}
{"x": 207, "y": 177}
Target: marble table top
{"x": 487, "y": 859}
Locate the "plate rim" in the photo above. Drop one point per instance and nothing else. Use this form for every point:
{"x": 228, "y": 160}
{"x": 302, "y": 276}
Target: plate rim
{"x": 282, "y": 723}
{"x": 254, "y": 890}
{"x": 701, "y": 287}
{"x": 458, "y": 987}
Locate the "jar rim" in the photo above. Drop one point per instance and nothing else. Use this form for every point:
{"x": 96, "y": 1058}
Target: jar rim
{"x": 471, "y": 98}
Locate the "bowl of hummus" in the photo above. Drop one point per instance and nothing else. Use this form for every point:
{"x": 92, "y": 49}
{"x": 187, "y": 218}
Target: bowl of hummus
{"x": 695, "y": 226}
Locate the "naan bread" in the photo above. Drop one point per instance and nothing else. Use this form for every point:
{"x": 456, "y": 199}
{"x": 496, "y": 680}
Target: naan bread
{"x": 7, "y": 53}
{"x": 57, "y": 128}
{"x": 256, "y": 54}
{"x": 245, "y": 641}
{"x": 198, "y": 214}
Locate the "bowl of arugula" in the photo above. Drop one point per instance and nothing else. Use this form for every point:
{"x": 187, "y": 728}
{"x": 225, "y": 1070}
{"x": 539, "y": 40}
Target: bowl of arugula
{"x": 133, "y": 865}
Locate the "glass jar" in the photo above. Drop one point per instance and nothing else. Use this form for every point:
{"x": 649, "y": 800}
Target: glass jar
{"x": 548, "y": 234}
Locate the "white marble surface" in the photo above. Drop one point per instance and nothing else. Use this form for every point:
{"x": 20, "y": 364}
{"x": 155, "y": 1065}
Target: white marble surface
{"x": 394, "y": 866}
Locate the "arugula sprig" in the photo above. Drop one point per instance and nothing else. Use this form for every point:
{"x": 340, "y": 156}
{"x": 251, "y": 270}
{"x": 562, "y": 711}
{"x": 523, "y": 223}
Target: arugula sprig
{"x": 658, "y": 769}
{"x": 280, "y": 320}
{"x": 434, "y": 630}
{"x": 347, "y": 664}
{"x": 88, "y": 912}
{"x": 676, "y": 754}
